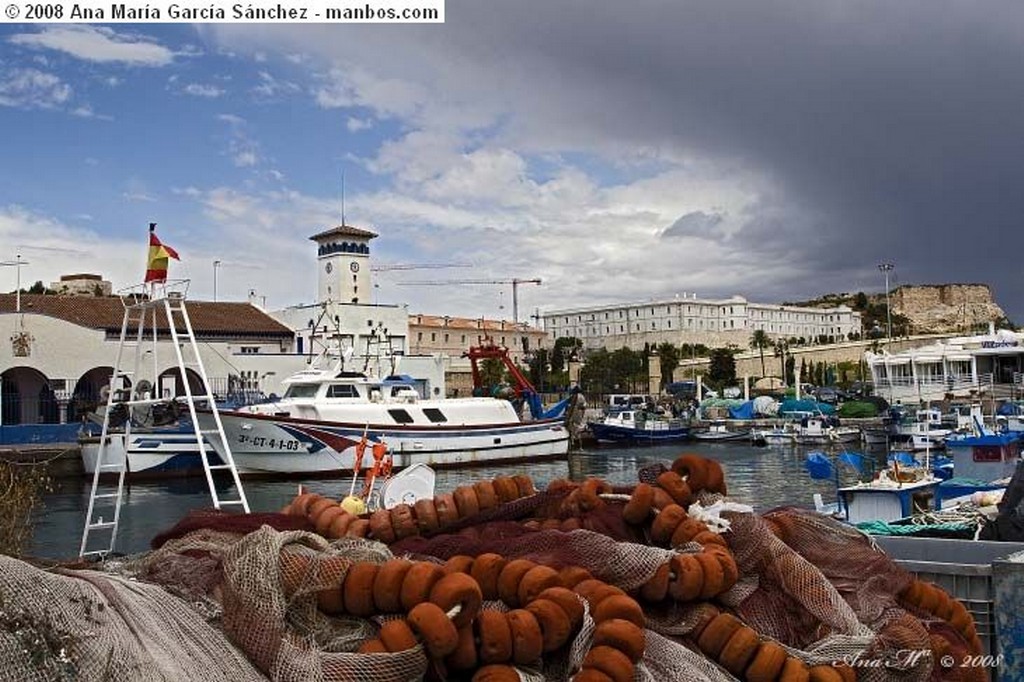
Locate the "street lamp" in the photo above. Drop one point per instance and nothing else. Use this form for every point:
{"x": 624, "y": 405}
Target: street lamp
{"x": 216, "y": 264}
{"x": 887, "y": 268}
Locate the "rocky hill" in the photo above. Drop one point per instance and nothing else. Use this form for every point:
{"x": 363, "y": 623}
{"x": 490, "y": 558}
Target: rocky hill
{"x": 923, "y": 308}
{"x": 942, "y": 308}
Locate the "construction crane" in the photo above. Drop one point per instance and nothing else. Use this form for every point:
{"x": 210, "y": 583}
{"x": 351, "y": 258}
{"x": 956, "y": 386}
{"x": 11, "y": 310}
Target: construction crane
{"x": 388, "y": 267}
{"x": 515, "y": 282}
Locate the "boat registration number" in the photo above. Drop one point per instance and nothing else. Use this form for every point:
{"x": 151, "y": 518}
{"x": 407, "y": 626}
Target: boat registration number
{"x": 264, "y": 442}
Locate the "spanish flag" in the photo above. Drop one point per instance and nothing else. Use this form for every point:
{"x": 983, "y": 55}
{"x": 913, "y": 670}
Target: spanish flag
{"x": 156, "y": 266}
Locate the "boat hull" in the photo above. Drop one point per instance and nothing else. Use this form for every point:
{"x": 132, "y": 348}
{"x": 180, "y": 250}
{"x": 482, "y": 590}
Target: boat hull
{"x": 149, "y": 454}
{"x": 611, "y": 433}
{"x": 263, "y": 444}
{"x": 714, "y": 436}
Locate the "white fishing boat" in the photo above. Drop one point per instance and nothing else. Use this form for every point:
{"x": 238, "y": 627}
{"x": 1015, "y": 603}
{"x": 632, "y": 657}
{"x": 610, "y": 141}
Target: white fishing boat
{"x": 325, "y": 414}
{"x": 781, "y": 434}
{"x": 818, "y": 429}
{"x": 156, "y": 454}
{"x": 719, "y": 431}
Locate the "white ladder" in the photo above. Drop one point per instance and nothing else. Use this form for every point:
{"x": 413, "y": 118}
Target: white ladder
{"x": 105, "y": 498}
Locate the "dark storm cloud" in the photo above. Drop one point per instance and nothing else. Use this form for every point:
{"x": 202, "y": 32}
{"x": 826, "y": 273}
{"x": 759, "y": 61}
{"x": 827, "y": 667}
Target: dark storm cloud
{"x": 894, "y": 131}
{"x": 695, "y": 224}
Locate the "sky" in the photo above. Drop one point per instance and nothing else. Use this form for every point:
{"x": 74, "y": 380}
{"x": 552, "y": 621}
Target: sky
{"x": 620, "y": 152}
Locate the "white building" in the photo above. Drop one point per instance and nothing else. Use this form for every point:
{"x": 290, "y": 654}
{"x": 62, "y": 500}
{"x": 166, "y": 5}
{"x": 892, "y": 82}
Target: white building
{"x": 58, "y": 350}
{"x": 687, "y": 319}
{"x": 963, "y": 367}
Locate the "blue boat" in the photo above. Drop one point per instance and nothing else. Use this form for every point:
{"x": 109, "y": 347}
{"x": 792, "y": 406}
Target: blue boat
{"x": 638, "y": 426}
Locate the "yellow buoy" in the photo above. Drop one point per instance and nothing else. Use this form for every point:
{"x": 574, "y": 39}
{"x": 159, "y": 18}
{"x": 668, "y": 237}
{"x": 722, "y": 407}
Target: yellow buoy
{"x": 353, "y": 505}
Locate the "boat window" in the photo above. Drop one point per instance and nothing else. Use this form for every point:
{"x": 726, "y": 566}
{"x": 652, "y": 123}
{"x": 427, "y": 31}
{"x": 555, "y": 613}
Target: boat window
{"x": 435, "y": 415}
{"x": 301, "y": 391}
{"x": 342, "y": 391}
{"x": 401, "y": 416}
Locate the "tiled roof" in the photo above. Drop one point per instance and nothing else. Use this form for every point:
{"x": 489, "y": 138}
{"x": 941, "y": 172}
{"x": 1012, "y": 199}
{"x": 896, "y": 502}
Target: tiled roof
{"x": 344, "y": 231}
{"x": 476, "y": 324}
{"x": 106, "y": 312}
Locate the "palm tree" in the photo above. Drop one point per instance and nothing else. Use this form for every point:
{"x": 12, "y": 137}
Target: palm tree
{"x": 759, "y": 341}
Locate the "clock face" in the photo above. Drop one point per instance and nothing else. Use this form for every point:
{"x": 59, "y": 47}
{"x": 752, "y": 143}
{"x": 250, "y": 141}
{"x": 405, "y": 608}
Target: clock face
{"x": 353, "y": 266}
{"x": 328, "y": 268}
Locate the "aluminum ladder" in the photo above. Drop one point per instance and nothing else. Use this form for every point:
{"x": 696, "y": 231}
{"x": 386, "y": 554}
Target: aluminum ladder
{"x": 105, "y": 498}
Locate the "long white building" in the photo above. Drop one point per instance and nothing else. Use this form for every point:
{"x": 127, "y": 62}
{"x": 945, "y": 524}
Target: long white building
{"x": 688, "y": 319}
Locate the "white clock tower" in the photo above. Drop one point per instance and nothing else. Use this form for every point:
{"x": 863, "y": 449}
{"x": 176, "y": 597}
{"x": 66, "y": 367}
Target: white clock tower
{"x": 343, "y": 261}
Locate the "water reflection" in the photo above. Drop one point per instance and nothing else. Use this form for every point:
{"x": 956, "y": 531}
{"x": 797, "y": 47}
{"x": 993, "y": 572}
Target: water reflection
{"x": 764, "y": 477}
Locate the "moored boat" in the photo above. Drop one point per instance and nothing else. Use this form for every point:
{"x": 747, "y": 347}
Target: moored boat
{"x": 719, "y": 431}
{"x": 638, "y": 426}
{"x": 326, "y": 414}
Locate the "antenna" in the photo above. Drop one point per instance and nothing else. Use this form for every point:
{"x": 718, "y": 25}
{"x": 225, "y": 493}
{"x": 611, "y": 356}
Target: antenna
{"x": 343, "y": 197}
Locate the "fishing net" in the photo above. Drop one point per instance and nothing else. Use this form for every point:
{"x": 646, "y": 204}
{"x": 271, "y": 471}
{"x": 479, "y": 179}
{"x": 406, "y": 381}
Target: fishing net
{"x": 242, "y": 597}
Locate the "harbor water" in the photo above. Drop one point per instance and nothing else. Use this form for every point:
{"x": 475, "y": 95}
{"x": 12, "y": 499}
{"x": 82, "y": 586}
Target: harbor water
{"x": 763, "y": 477}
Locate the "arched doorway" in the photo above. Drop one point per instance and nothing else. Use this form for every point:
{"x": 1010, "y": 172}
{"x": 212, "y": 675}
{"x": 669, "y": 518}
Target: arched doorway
{"x": 171, "y": 386}
{"x": 27, "y": 397}
{"x": 89, "y": 393}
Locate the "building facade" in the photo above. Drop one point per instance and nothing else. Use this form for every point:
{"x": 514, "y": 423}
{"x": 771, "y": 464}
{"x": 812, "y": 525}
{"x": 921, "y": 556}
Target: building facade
{"x": 688, "y": 319}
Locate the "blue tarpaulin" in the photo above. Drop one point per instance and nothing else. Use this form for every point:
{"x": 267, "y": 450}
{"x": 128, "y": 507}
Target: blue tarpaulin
{"x": 744, "y": 411}
{"x": 790, "y": 406}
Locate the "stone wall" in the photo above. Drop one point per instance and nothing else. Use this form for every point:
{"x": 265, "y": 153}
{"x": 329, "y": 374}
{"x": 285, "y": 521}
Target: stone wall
{"x": 946, "y": 307}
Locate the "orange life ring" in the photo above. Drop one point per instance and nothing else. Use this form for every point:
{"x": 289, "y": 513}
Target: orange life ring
{"x": 403, "y": 521}
{"x": 568, "y": 602}
{"x": 535, "y": 581}
{"x": 624, "y": 635}
{"x": 434, "y": 628}
{"x": 619, "y": 606}
{"x": 525, "y": 485}
{"x": 359, "y": 528}
{"x": 506, "y": 489}
{"x": 717, "y": 634}
{"x": 739, "y": 651}
{"x": 686, "y": 531}
{"x": 447, "y": 510}
{"x": 665, "y": 524}
{"x": 527, "y": 638}
{"x": 458, "y": 589}
{"x": 571, "y": 576}
{"x": 496, "y": 673}
{"x": 509, "y": 579}
{"x": 466, "y": 501}
{"x": 611, "y": 662}
{"x": 387, "y": 586}
{"x": 359, "y": 589}
{"x": 639, "y": 506}
{"x": 767, "y": 663}
{"x": 555, "y": 626}
{"x": 460, "y": 563}
{"x": 485, "y": 571}
{"x": 794, "y": 670}
{"x": 694, "y": 468}
{"x": 396, "y": 635}
{"x": 676, "y": 487}
{"x": 419, "y": 581}
{"x": 714, "y": 576}
{"x": 372, "y": 646}
{"x": 688, "y": 581}
{"x": 495, "y": 635}
{"x": 381, "y": 527}
{"x": 486, "y": 496}
{"x": 426, "y": 516}
{"x": 656, "y": 587}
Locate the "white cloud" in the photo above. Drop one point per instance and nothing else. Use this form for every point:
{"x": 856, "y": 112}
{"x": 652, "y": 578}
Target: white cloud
{"x": 270, "y": 87}
{"x": 33, "y": 89}
{"x": 137, "y": 196}
{"x": 202, "y": 90}
{"x": 97, "y": 44}
{"x": 356, "y": 124}
{"x": 243, "y": 150}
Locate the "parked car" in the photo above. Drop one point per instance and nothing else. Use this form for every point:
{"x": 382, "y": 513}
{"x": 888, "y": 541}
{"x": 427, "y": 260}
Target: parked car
{"x": 830, "y": 395}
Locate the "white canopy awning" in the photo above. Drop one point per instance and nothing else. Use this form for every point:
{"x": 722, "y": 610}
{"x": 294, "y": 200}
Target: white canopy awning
{"x": 897, "y": 361}
{"x": 958, "y": 358}
{"x": 927, "y": 358}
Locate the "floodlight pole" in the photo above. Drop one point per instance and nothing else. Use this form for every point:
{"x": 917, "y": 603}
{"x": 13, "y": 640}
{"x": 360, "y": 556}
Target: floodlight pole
{"x": 887, "y": 268}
